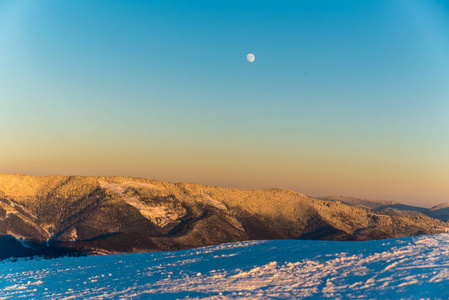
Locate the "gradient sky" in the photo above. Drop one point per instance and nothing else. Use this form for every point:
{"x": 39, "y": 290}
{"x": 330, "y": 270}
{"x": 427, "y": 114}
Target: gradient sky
{"x": 344, "y": 97}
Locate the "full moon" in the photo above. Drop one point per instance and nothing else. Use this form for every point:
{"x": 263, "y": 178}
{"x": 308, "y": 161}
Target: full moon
{"x": 250, "y": 57}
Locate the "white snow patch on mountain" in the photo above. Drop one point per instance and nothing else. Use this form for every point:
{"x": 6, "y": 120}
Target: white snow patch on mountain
{"x": 413, "y": 267}
{"x": 158, "y": 214}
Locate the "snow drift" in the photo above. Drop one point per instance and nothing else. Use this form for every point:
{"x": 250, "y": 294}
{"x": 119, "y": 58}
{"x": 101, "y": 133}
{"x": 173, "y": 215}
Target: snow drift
{"x": 411, "y": 267}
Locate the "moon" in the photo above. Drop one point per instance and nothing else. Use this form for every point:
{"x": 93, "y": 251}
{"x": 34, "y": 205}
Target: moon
{"x": 250, "y": 57}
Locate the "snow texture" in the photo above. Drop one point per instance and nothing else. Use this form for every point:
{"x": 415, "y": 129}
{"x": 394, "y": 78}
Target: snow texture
{"x": 413, "y": 267}
{"x": 160, "y": 215}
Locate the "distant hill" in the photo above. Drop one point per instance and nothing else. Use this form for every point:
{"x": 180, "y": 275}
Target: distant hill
{"x": 95, "y": 215}
{"x": 440, "y": 212}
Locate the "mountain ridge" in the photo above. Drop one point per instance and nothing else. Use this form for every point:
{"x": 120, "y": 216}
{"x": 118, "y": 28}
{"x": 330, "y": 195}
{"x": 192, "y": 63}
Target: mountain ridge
{"x": 112, "y": 214}
{"x": 440, "y": 211}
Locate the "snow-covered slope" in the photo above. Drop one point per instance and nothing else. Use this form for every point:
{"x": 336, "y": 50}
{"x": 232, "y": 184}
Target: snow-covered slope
{"x": 411, "y": 267}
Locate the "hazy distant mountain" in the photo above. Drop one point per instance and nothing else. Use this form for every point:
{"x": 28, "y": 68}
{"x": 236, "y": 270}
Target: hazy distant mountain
{"x": 440, "y": 212}
{"x": 121, "y": 214}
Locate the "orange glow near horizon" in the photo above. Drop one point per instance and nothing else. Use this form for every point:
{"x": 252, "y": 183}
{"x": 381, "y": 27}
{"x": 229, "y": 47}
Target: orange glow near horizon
{"x": 309, "y": 172}
{"x": 344, "y": 98}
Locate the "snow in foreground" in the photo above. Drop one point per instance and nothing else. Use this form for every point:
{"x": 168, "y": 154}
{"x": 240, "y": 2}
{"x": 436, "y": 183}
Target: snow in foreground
{"x": 411, "y": 267}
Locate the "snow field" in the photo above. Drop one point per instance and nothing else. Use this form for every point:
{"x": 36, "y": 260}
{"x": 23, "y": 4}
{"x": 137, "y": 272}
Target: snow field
{"x": 413, "y": 267}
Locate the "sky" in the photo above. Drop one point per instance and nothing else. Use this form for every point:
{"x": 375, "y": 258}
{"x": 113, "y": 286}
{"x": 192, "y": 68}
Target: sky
{"x": 343, "y": 98}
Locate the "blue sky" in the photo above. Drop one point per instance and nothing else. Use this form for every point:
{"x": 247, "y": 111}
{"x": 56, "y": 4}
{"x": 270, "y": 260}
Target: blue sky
{"x": 162, "y": 89}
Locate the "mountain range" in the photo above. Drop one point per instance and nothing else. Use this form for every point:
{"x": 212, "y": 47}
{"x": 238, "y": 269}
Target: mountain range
{"x": 58, "y": 215}
{"x": 440, "y": 211}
